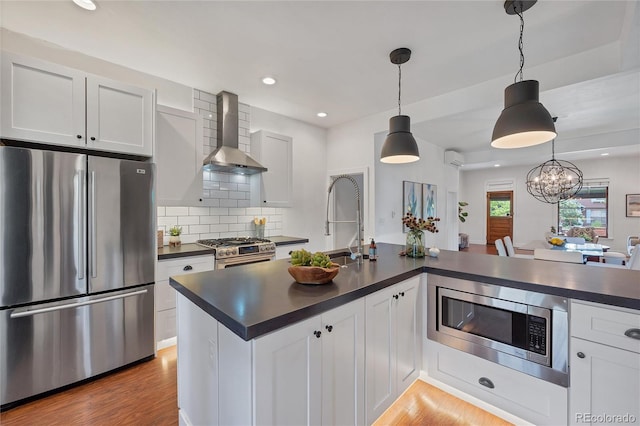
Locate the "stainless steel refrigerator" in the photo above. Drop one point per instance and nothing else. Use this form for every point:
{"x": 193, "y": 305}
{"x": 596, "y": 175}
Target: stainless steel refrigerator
{"x": 77, "y": 248}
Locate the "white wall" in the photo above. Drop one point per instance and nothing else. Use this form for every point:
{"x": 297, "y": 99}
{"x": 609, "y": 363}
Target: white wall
{"x": 533, "y": 218}
{"x": 306, "y": 217}
{"x": 168, "y": 92}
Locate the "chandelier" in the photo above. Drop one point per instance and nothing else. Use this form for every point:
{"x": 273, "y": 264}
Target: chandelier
{"x": 554, "y": 180}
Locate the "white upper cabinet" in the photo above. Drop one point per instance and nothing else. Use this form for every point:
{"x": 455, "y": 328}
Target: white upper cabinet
{"x": 273, "y": 188}
{"x": 119, "y": 117}
{"x": 52, "y": 104}
{"x": 178, "y": 157}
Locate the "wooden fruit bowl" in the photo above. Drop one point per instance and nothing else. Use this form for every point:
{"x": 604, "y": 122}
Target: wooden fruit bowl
{"x": 314, "y": 274}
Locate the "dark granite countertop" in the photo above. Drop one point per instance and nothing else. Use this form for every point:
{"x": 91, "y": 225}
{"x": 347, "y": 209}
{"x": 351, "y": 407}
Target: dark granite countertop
{"x": 282, "y": 240}
{"x": 183, "y": 250}
{"x": 256, "y": 299}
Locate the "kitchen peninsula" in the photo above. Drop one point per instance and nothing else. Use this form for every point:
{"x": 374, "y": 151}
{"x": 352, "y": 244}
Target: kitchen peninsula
{"x": 256, "y": 325}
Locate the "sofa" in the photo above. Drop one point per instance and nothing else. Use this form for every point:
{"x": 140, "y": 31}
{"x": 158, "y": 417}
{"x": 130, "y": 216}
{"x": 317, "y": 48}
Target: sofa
{"x": 586, "y": 232}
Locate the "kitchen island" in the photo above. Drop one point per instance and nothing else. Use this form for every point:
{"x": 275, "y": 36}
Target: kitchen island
{"x": 254, "y": 322}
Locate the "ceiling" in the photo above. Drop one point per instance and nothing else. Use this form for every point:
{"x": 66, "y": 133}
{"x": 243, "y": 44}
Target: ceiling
{"x": 333, "y": 56}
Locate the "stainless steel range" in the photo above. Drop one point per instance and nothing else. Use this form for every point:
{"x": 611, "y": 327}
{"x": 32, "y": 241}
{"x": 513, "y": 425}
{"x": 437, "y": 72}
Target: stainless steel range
{"x": 240, "y": 250}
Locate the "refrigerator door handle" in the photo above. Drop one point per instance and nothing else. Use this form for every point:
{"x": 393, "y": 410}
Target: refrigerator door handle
{"x": 82, "y": 230}
{"x": 32, "y": 312}
{"x": 92, "y": 224}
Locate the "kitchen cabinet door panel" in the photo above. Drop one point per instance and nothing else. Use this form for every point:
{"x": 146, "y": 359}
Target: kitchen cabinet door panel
{"x": 42, "y": 102}
{"x": 287, "y": 375}
{"x": 178, "y": 157}
{"x": 407, "y": 344}
{"x": 119, "y": 117}
{"x": 274, "y": 188}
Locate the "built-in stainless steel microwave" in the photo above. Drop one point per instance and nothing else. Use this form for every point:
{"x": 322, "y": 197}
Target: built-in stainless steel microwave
{"x": 520, "y": 329}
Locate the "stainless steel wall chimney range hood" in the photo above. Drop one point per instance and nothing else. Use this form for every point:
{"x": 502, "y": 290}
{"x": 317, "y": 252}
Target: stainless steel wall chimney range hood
{"x": 227, "y": 157}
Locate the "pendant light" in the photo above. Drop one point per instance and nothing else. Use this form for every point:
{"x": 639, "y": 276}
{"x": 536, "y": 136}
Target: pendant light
{"x": 400, "y": 146}
{"x": 524, "y": 120}
{"x": 554, "y": 180}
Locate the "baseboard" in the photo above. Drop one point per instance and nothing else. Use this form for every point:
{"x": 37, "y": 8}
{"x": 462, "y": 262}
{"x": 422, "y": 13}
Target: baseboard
{"x": 171, "y": 341}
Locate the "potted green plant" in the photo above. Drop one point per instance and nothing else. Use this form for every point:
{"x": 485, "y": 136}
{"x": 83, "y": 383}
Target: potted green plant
{"x": 462, "y": 215}
{"x": 174, "y": 236}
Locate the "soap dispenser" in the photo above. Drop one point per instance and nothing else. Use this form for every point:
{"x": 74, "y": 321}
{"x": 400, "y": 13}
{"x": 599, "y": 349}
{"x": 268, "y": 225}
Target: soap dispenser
{"x": 373, "y": 251}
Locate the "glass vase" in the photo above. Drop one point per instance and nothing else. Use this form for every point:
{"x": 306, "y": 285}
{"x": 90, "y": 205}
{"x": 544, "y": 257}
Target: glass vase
{"x": 415, "y": 243}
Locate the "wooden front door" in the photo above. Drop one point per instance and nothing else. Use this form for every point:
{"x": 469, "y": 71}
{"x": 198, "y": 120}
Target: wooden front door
{"x": 499, "y": 215}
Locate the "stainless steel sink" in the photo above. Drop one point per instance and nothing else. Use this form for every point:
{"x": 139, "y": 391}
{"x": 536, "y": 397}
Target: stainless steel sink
{"x": 343, "y": 258}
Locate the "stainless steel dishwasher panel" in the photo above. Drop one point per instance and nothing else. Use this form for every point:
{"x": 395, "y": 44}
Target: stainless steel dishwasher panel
{"x": 47, "y": 346}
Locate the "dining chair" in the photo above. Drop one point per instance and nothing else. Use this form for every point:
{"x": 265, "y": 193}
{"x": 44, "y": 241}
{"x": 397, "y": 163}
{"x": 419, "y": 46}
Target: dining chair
{"x": 574, "y": 240}
{"x": 633, "y": 262}
{"x": 500, "y": 247}
{"x": 632, "y": 241}
{"x": 558, "y": 255}
{"x": 511, "y": 252}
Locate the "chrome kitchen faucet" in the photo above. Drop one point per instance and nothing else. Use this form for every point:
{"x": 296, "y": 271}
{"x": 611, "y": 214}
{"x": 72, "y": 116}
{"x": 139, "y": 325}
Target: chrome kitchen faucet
{"x": 359, "y": 255}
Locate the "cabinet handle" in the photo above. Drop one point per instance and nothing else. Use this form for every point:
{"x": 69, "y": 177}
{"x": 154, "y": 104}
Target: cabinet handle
{"x": 93, "y": 138}
{"x": 486, "y": 382}
{"x": 402, "y": 293}
{"x": 187, "y": 268}
{"x": 79, "y": 136}
{"x": 634, "y": 333}
{"x": 329, "y": 328}
{"x": 395, "y": 296}
{"x": 317, "y": 333}
{"x": 580, "y": 355}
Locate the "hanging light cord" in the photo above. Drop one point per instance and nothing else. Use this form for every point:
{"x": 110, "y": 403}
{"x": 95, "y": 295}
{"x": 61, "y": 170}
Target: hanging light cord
{"x": 399, "y": 88}
{"x": 520, "y": 44}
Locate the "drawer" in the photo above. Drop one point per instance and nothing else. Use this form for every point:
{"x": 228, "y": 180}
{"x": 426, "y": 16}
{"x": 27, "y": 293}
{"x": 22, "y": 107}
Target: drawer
{"x": 605, "y": 324}
{"x": 165, "y": 324}
{"x": 165, "y": 296}
{"x": 168, "y": 268}
{"x": 530, "y": 398}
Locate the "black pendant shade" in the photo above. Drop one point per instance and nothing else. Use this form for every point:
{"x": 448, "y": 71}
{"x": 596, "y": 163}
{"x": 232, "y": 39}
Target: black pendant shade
{"x": 400, "y": 145}
{"x": 524, "y": 120}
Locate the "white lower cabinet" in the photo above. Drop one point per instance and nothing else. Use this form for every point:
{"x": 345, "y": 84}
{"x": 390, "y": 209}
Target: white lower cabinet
{"x": 605, "y": 365}
{"x": 165, "y": 294}
{"x": 532, "y": 399}
{"x": 392, "y": 346}
{"x": 312, "y": 372}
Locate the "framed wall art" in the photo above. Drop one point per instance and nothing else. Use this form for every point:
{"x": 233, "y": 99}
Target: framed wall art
{"x": 411, "y": 199}
{"x": 633, "y": 205}
{"x": 429, "y": 197}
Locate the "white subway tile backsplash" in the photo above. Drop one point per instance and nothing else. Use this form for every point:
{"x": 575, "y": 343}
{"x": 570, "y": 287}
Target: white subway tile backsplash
{"x": 228, "y": 219}
{"x": 235, "y": 195}
{"x": 167, "y": 221}
{"x": 177, "y": 211}
{"x": 188, "y": 220}
{"x": 225, "y": 210}
{"x": 228, "y": 203}
{"x": 222, "y": 227}
{"x": 198, "y": 229}
{"x": 207, "y": 97}
{"x": 219, "y": 212}
{"x": 198, "y": 211}
{"x": 209, "y": 219}
{"x": 236, "y": 227}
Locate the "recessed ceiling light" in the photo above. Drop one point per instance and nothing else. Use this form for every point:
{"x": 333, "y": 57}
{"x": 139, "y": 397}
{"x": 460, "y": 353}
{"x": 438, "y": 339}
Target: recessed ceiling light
{"x": 322, "y": 114}
{"x": 86, "y": 4}
{"x": 269, "y": 81}
{"x": 604, "y": 153}
{"x": 496, "y": 165}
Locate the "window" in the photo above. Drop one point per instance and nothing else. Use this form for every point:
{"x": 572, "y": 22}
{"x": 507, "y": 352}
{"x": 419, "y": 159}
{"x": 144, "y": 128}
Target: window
{"x": 589, "y": 207}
